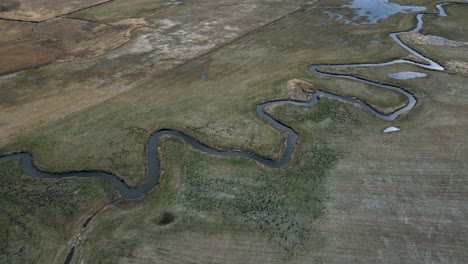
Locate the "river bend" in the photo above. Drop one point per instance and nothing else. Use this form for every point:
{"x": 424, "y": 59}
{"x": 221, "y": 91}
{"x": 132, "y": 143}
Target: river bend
{"x": 152, "y": 159}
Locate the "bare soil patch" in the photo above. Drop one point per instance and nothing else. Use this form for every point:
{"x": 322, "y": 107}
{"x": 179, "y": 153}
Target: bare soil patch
{"x": 417, "y": 38}
{"x": 299, "y": 89}
{"x": 458, "y": 67}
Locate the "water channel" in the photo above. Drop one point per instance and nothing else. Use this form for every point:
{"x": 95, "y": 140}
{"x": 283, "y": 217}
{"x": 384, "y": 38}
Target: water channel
{"x": 152, "y": 158}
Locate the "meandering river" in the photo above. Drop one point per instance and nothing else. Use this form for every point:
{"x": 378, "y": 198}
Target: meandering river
{"x": 152, "y": 158}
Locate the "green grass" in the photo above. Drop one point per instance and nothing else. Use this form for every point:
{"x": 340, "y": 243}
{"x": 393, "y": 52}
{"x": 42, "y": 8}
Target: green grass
{"x": 452, "y": 27}
{"x": 39, "y": 217}
{"x": 210, "y": 196}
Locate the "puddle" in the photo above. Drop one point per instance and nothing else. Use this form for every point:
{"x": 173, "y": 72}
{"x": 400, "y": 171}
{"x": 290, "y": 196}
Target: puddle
{"x": 406, "y": 75}
{"x": 437, "y": 38}
{"x": 204, "y": 75}
{"x": 172, "y": 3}
{"x": 391, "y": 129}
{"x": 439, "y": 41}
{"x": 337, "y": 17}
{"x": 372, "y": 11}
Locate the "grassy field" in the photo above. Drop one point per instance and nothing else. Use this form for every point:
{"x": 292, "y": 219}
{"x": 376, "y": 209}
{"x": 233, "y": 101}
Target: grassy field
{"x": 238, "y": 77}
{"x": 217, "y": 199}
{"x": 351, "y": 193}
{"x": 401, "y": 196}
{"x": 35, "y": 98}
{"x": 449, "y": 51}
{"x": 450, "y": 27}
{"x": 41, "y": 217}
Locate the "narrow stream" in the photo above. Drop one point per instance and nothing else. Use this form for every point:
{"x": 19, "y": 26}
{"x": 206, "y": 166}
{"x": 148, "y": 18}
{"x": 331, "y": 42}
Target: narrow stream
{"x": 153, "y": 162}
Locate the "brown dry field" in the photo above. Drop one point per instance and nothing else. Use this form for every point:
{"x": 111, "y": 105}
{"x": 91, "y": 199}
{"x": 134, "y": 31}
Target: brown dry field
{"x": 28, "y": 45}
{"x": 41, "y": 10}
{"x": 36, "y": 33}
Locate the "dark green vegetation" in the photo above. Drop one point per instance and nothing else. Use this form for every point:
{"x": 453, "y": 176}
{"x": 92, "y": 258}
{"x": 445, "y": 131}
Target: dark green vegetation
{"x": 40, "y": 217}
{"x": 351, "y": 193}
